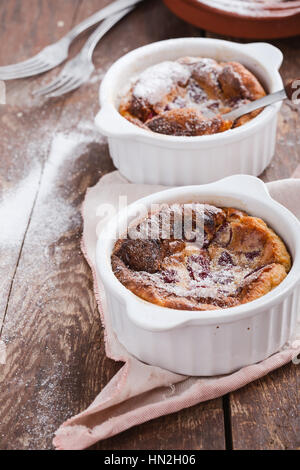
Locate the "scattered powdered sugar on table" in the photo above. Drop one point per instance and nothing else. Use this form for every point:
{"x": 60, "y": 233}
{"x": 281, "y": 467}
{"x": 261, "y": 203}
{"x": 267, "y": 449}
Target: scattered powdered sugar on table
{"x": 55, "y": 223}
{"x": 60, "y": 214}
{"x": 2, "y": 353}
{"x": 97, "y": 76}
{"x": 15, "y": 208}
{"x": 45, "y": 175}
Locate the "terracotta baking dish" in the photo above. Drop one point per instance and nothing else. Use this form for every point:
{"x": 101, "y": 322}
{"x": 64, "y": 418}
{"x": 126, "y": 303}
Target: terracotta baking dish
{"x": 243, "y": 19}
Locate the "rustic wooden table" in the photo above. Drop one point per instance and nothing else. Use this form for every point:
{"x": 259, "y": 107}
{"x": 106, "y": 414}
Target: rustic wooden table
{"x": 50, "y": 154}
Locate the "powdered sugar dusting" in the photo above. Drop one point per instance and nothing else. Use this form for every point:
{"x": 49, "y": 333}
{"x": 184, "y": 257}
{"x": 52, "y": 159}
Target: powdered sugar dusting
{"x": 197, "y": 277}
{"x": 185, "y": 96}
{"x": 219, "y": 268}
{"x": 157, "y": 81}
{"x": 47, "y": 167}
{"x": 15, "y": 208}
{"x": 169, "y": 218}
{"x": 200, "y": 267}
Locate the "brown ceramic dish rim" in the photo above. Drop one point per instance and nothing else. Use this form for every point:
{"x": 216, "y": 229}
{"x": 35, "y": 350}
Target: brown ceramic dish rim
{"x": 272, "y": 13}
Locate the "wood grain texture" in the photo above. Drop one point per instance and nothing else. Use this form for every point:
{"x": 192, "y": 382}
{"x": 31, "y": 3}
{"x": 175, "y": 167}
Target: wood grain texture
{"x": 265, "y": 414}
{"x": 287, "y": 153}
{"x": 56, "y": 363}
{"x": 25, "y": 126}
{"x": 50, "y": 154}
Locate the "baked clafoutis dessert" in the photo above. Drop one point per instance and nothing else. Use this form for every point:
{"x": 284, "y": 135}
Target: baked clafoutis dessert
{"x": 200, "y": 257}
{"x": 187, "y": 97}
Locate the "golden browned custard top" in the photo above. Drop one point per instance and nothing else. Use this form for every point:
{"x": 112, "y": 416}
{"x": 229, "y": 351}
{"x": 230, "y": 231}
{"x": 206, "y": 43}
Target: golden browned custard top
{"x": 200, "y": 257}
{"x": 187, "y": 97}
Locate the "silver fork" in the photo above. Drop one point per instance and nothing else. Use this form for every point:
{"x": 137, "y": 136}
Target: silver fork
{"x": 57, "y": 53}
{"x": 80, "y": 68}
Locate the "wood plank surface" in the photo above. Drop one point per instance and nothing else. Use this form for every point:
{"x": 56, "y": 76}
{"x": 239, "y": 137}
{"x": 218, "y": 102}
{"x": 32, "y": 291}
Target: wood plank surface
{"x": 56, "y": 363}
{"x": 50, "y": 154}
{"x": 287, "y": 153}
{"x": 265, "y": 414}
{"x": 25, "y": 124}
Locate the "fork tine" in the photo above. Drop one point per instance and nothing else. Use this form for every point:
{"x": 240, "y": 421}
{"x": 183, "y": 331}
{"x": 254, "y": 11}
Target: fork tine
{"x": 53, "y": 86}
{"x": 72, "y": 85}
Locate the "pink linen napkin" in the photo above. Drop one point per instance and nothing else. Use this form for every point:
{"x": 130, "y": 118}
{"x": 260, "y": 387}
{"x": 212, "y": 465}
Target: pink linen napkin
{"x": 140, "y": 392}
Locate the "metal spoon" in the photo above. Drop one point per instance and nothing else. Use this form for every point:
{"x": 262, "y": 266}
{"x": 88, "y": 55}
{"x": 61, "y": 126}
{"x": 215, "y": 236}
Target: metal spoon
{"x": 291, "y": 91}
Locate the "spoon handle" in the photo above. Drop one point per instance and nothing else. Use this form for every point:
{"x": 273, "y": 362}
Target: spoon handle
{"x": 290, "y": 91}
{"x": 261, "y": 103}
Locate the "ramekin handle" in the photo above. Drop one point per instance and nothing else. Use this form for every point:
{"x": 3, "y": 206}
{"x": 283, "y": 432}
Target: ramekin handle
{"x": 271, "y": 55}
{"x": 245, "y": 184}
{"x": 110, "y": 125}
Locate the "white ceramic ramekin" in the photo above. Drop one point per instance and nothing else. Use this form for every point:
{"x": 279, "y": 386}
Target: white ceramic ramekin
{"x": 147, "y": 157}
{"x": 210, "y": 342}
